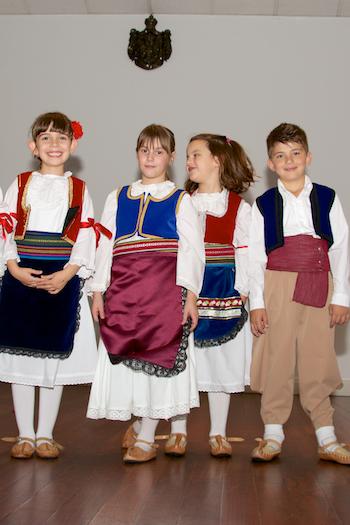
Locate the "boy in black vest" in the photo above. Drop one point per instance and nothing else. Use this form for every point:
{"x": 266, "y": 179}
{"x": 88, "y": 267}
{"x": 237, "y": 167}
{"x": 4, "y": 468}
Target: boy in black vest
{"x": 299, "y": 291}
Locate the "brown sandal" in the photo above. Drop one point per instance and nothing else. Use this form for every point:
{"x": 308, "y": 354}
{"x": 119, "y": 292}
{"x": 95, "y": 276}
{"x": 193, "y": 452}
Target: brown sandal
{"x": 264, "y": 451}
{"x": 129, "y": 438}
{"x": 176, "y": 445}
{"x": 137, "y": 454}
{"x": 23, "y": 447}
{"x": 48, "y": 449}
{"x": 340, "y": 455}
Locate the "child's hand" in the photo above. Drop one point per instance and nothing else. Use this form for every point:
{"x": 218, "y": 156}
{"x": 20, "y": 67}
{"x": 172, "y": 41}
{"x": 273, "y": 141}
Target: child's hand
{"x": 97, "y": 308}
{"x": 55, "y": 282}
{"x": 339, "y": 314}
{"x": 258, "y": 321}
{"x": 26, "y": 276}
{"x": 190, "y": 310}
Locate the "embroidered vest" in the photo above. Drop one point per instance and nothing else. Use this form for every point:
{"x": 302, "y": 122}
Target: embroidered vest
{"x": 270, "y": 205}
{"x": 220, "y": 230}
{"x": 150, "y": 218}
{"x": 73, "y": 218}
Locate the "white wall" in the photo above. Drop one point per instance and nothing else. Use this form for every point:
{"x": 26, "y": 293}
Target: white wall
{"x": 239, "y": 76}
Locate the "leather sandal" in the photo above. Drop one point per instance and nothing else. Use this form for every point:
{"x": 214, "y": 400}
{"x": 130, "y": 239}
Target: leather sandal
{"x": 340, "y": 455}
{"x": 23, "y": 447}
{"x": 48, "y": 449}
{"x": 137, "y": 454}
{"x": 176, "y": 445}
{"x": 220, "y": 446}
{"x": 264, "y": 451}
{"x": 129, "y": 438}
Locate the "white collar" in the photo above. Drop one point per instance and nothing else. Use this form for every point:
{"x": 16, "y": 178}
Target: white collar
{"x": 305, "y": 191}
{"x": 158, "y": 189}
{"x": 66, "y": 175}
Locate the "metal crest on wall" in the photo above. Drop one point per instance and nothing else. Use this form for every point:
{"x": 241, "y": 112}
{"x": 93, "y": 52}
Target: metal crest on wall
{"x": 149, "y": 48}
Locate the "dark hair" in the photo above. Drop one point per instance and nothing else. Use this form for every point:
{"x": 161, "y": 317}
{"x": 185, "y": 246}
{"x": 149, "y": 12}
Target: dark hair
{"x": 285, "y": 133}
{"x": 154, "y": 133}
{"x": 236, "y": 169}
{"x": 55, "y": 121}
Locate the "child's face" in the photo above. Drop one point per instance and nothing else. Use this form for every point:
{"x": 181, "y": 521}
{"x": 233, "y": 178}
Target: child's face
{"x": 154, "y": 162}
{"x": 53, "y": 149}
{"x": 289, "y": 161}
{"x": 202, "y": 167}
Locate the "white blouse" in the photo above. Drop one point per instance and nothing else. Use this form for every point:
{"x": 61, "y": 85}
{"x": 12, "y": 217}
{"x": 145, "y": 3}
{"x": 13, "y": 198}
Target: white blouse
{"x": 216, "y": 204}
{"x": 191, "y": 256}
{"x": 47, "y": 197}
{"x": 297, "y": 219}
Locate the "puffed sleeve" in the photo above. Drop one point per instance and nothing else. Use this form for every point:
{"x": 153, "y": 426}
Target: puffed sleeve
{"x": 83, "y": 251}
{"x": 10, "y": 201}
{"x": 257, "y": 260}
{"x": 241, "y": 244}
{"x": 191, "y": 255}
{"x": 104, "y": 254}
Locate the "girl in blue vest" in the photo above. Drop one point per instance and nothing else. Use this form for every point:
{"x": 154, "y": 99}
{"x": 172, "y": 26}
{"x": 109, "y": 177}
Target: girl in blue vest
{"x": 151, "y": 273}
{"x": 219, "y": 170}
{"x": 40, "y": 304}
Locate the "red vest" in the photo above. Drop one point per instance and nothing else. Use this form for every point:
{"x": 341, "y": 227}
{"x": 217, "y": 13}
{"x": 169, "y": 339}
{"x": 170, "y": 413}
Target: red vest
{"x": 220, "y": 230}
{"x": 73, "y": 217}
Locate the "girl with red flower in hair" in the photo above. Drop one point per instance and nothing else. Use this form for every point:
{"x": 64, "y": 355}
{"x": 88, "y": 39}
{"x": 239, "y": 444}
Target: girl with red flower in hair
{"x": 42, "y": 300}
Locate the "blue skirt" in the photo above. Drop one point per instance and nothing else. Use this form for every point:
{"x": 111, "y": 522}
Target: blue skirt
{"x": 32, "y": 321}
{"x": 221, "y": 312}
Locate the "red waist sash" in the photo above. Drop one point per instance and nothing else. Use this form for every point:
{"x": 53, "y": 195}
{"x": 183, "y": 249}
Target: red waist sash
{"x": 309, "y": 257}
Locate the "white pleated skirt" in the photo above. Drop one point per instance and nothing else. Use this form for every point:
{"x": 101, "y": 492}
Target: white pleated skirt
{"x": 78, "y": 368}
{"x": 226, "y": 367}
{"x": 118, "y": 392}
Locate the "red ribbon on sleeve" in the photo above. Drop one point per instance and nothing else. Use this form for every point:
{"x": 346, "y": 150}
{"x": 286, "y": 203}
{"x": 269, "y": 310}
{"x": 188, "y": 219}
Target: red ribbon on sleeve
{"x": 6, "y": 224}
{"x": 98, "y": 229}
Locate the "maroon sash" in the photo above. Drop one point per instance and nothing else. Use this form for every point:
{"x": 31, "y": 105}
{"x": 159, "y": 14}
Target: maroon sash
{"x": 309, "y": 257}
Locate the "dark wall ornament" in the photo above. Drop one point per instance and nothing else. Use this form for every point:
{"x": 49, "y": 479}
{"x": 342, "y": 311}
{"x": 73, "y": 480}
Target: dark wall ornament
{"x": 149, "y": 48}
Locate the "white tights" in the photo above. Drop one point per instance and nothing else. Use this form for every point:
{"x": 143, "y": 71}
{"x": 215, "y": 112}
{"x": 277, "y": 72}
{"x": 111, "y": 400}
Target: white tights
{"x": 49, "y": 404}
{"x": 219, "y": 404}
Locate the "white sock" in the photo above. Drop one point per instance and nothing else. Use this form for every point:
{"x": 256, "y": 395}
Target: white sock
{"x": 326, "y": 435}
{"x": 137, "y": 425}
{"x": 275, "y": 432}
{"x": 49, "y": 404}
{"x": 147, "y": 432}
{"x": 219, "y": 404}
{"x": 179, "y": 424}
{"x": 23, "y": 402}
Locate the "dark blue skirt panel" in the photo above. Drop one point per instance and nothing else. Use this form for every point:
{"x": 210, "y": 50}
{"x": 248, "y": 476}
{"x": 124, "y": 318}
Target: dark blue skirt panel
{"x": 221, "y": 312}
{"x": 34, "y": 322}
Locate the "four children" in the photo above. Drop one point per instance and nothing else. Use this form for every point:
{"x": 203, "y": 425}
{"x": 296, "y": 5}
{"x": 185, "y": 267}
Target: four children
{"x": 292, "y": 261}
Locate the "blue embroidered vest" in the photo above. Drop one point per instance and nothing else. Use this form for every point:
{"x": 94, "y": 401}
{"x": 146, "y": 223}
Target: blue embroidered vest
{"x": 270, "y": 205}
{"x": 150, "y": 218}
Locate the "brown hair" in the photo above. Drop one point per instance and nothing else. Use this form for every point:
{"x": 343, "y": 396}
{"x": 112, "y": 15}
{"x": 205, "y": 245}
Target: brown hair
{"x": 285, "y": 133}
{"x": 55, "y": 121}
{"x": 236, "y": 169}
{"x": 154, "y": 133}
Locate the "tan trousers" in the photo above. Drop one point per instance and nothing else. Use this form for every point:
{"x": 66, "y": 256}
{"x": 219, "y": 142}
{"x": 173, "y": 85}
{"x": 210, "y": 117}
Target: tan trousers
{"x": 298, "y": 336}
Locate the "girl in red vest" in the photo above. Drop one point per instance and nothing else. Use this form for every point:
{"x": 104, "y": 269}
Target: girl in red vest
{"x": 42, "y": 299}
{"x": 218, "y": 171}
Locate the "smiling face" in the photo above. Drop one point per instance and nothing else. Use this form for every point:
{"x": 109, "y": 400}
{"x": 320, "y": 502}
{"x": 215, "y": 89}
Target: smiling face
{"x": 289, "y": 161}
{"x": 153, "y": 161}
{"x": 53, "y": 149}
{"x": 202, "y": 167}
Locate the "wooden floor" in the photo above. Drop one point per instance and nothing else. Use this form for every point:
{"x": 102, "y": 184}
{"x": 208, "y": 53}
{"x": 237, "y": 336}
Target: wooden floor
{"x": 89, "y": 484}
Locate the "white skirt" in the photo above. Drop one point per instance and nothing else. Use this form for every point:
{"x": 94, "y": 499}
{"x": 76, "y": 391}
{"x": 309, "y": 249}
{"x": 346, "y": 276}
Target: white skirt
{"x": 78, "y": 368}
{"x": 118, "y": 392}
{"x": 226, "y": 367}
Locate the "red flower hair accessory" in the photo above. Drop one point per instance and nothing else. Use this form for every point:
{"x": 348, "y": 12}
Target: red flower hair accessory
{"x": 77, "y": 130}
